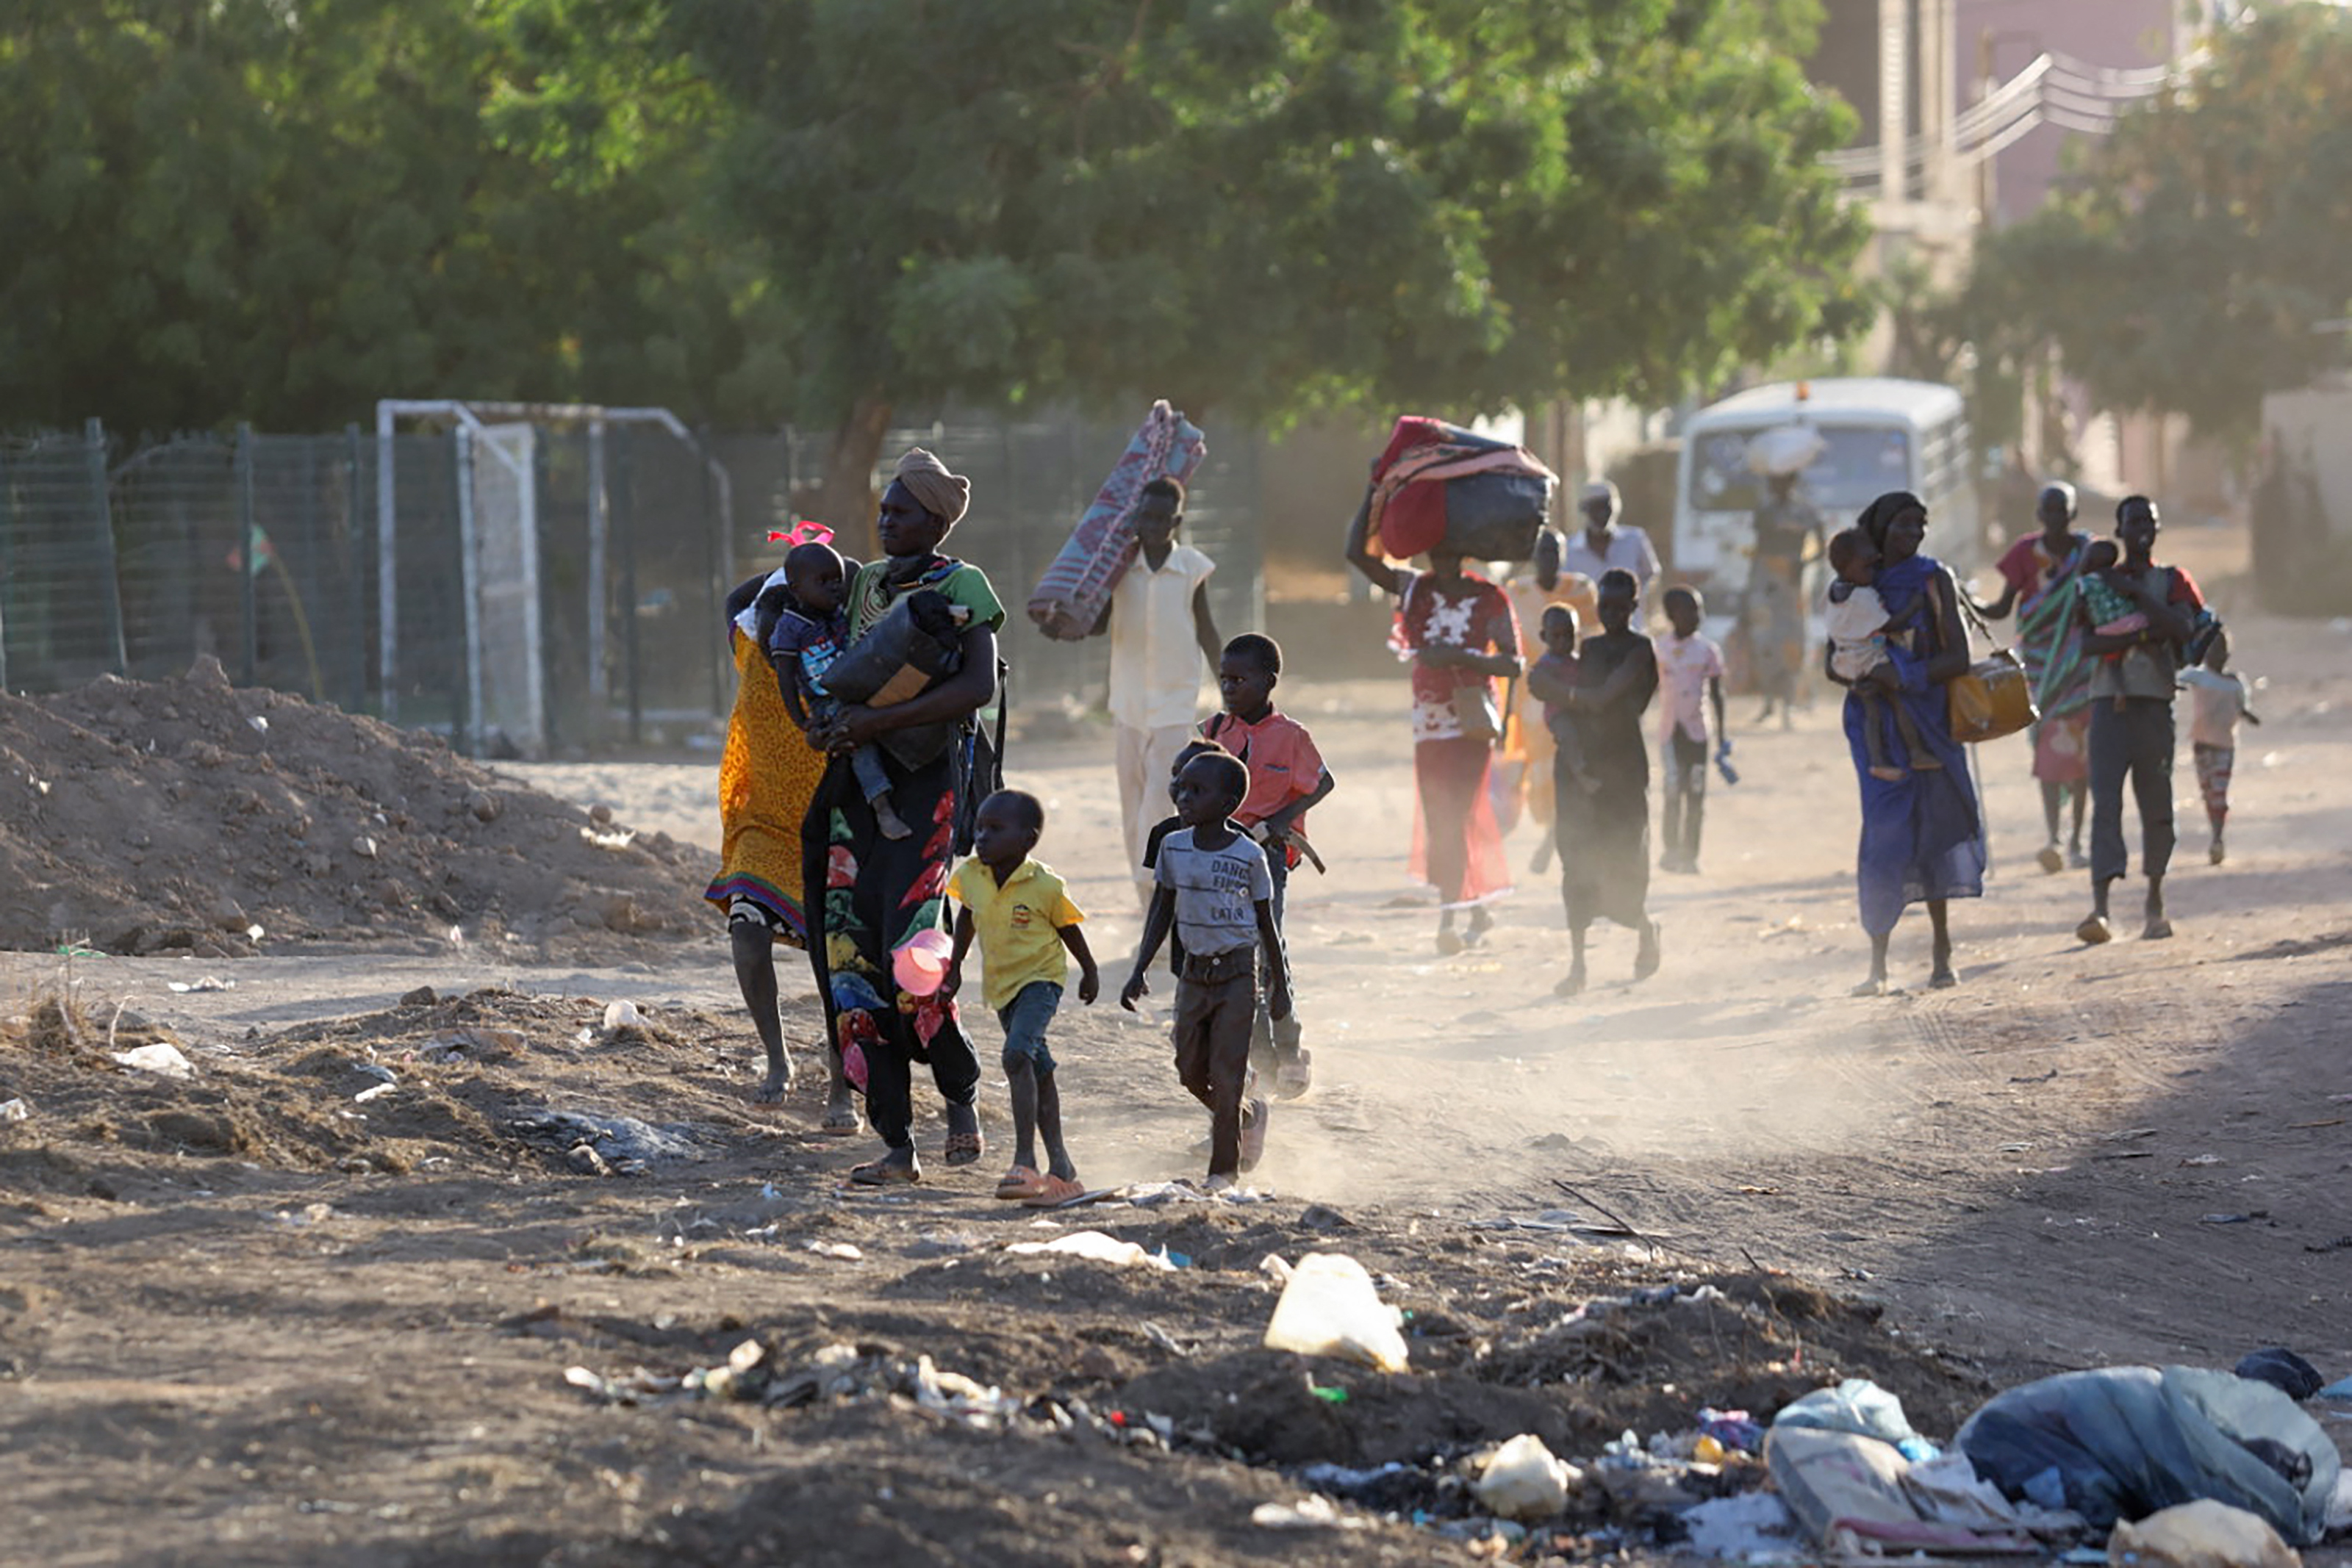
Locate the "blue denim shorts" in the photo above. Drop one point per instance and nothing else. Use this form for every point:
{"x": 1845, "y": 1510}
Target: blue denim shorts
{"x": 1024, "y": 1025}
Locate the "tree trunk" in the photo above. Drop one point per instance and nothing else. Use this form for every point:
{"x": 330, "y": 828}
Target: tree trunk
{"x": 847, "y": 500}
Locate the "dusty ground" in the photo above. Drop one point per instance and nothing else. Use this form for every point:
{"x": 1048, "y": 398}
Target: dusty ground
{"x": 297, "y": 1326}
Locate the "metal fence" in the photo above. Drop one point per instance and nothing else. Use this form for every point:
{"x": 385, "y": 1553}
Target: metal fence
{"x": 270, "y": 553}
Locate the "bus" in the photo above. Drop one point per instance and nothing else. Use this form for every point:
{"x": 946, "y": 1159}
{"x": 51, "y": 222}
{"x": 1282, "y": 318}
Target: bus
{"x": 1876, "y": 434}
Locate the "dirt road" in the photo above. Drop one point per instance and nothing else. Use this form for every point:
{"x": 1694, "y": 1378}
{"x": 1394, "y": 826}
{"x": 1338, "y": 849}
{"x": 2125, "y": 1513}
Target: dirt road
{"x": 250, "y": 1318}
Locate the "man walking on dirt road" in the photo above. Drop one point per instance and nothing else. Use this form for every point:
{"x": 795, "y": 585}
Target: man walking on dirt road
{"x": 2131, "y": 718}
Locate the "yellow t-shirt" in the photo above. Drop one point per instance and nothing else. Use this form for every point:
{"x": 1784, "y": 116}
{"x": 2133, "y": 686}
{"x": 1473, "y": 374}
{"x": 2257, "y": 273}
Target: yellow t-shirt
{"x": 1017, "y": 924}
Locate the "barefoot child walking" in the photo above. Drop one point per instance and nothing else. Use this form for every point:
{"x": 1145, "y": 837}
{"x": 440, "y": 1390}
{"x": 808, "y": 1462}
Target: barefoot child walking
{"x": 1690, "y": 680}
{"x": 1859, "y": 628}
{"x": 1019, "y": 913}
{"x": 2216, "y": 701}
{"x": 1287, "y": 776}
{"x": 1212, "y": 887}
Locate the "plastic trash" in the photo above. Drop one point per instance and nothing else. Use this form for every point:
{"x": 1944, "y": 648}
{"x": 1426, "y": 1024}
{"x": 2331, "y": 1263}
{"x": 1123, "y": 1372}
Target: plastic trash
{"x": 1101, "y": 1248}
{"x": 2283, "y": 1370}
{"x": 1751, "y": 1523}
{"x": 15, "y": 1110}
{"x": 1860, "y": 1406}
{"x": 1331, "y": 1307}
{"x": 2340, "y": 1391}
{"x": 922, "y": 962}
{"x": 1526, "y": 1480}
{"x": 1311, "y": 1513}
{"x": 2201, "y": 1534}
{"x": 160, "y": 1056}
{"x": 2123, "y": 1442}
{"x": 622, "y": 1015}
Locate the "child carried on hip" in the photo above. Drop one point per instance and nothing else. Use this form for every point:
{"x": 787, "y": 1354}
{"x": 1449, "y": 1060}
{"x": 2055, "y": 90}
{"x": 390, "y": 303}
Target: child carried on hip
{"x": 1860, "y": 633}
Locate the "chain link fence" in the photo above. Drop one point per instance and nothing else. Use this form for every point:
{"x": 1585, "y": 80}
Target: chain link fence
{"x": 599, "y": 625}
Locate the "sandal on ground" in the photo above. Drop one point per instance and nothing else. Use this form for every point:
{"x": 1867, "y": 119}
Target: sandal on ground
{"x": 1054, "y": 1192}
{"x": 2093, "y": 930}
{"x": 885, "y": 1173}
{"x": 965, "y": 1148}
{"x": 1020, "y": 1183}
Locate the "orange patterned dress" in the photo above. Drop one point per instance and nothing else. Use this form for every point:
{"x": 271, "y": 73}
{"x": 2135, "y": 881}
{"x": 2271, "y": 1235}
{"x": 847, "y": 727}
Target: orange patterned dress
{"x": 766, "y": 777}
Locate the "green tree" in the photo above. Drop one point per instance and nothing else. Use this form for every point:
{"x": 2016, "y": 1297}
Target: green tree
{"x": 2205, "y": 240}
{"x": 248, "y": 210}
{"x": 1266, "y": 206}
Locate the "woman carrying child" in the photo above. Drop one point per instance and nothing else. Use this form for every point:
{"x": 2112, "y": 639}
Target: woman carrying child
{"x": 1459, "y": 632}
{"x": 1922, "y": 837}
{"x": 877, "y": 892}
{"x": 2040, "y": 577}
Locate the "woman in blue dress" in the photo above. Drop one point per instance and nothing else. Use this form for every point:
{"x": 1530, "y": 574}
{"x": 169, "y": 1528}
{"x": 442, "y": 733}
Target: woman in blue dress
{"x": 1922, "y": 834}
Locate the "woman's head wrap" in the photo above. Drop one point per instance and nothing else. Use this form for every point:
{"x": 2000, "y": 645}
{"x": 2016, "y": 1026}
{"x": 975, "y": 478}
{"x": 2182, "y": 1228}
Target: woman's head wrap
{"x": 943, "y": 495}
{"x": 1880, "y": 514}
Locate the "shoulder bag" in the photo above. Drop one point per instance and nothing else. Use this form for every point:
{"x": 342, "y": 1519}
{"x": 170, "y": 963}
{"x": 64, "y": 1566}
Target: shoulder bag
{"x": 1992, "y": 697}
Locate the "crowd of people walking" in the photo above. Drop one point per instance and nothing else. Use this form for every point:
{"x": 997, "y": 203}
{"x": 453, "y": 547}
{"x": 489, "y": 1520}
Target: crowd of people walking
{"x": 848, "y": 808}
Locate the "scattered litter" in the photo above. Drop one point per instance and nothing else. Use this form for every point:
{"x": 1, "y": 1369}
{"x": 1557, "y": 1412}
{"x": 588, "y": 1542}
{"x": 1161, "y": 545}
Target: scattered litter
{"x": 1747, "y": 1526}
{"x": 2121, "y": 1442}
{"x": 622, "y": 1015}
{"x": 618, "y": 839}
{"x": 478, "y": 1041}
{"x": 2283, "y": 1370}
{"x": 2247, "y": 1217}
{"x": 375, "y": 1091}
{"x": 1154, "y": 1195}
{"x": 1101, "y": 1249}
{"x": 628, "y": 1146}
{"x": 2338, "y": 1244}
{"x": 308, "y": 1215}
{"x": 1331, "y": 1307}
{"x": 1855, "y": 1493}
{"x": 1162, "y": 1338}
{"x": 2340, "y": 1391}
{"x": 2201, "y": 1534}
{"x": 1526, "y": 1480}
{"x": 2202, "y": 1160}
{"x": 161, "y": 1057}
{"x": 209, "y": 983}
{"x": 841, "y": 1249}
{"x": 15, "y": 1110}
{"x": 1861, "y": 1406}
{"x": 1312, "y": 1512}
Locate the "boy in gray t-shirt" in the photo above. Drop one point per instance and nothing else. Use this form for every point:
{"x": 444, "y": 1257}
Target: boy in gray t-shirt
{"x": 1214, "y": 888}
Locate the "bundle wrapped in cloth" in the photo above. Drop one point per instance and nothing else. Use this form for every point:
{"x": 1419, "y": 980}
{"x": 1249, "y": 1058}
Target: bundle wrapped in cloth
{"x": 1440, "y": 487}
{"x": 1070, "y": 598}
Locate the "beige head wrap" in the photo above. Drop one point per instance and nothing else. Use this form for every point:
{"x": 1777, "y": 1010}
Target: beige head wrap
{"x": 942, "y": 494}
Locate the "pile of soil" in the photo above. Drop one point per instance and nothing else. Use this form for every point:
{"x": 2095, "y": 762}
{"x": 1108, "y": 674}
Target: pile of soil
{"x": 175, "y": 816}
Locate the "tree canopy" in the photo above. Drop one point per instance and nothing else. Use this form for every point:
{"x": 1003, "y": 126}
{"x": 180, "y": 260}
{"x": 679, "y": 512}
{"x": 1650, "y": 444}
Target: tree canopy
{"x": 825, "y": 210}
{"x": 2204, "y": 240}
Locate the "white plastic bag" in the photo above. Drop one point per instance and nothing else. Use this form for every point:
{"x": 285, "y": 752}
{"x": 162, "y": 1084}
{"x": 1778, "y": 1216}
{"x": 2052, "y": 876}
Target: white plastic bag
{"x": 1330, "y": 1307}
{"x": 1525, "y": 1481}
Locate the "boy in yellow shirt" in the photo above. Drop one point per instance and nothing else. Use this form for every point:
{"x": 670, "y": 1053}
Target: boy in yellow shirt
{"x": 1019, "y": 913}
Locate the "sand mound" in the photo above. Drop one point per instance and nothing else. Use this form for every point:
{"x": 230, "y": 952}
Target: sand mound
{"x": 174, "y": 816}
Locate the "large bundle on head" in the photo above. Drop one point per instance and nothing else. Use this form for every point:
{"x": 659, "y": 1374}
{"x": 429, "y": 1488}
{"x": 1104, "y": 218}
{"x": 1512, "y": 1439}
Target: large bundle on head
{"x": 1440, "y": 487}
{"x": 1069, "y": 601}
{"x": 1785, "y": 449}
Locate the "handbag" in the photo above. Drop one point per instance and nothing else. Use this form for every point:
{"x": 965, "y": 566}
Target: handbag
{"x": 1992, "y": 697}
{"x": 1474, "y": 711}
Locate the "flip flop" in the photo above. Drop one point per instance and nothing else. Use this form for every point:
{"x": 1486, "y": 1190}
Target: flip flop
{"x": 965, "y": 1148}
{"x": 1021, "y": 1183}
{"x": 1054, "y": 1192}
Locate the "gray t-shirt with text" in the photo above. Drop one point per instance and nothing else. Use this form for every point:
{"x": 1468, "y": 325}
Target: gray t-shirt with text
{"x": 1217, "y": 891}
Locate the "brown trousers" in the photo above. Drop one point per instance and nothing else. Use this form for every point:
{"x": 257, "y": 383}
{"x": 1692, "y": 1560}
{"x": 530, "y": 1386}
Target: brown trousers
{"x": 1214, "y": 1021}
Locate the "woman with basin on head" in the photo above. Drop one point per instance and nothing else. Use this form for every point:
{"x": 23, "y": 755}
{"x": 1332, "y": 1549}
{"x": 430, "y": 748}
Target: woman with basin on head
{"x": 1922, "y": 835}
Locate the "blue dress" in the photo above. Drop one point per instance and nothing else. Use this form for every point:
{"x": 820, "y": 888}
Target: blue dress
{"x": 1922, "y": 835}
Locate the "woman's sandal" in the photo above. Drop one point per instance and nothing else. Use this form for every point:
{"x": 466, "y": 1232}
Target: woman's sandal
{"x": 1054, "y": 1192}
{"x": 1021, "y": 1183}
{"x": 965, "y": 1148}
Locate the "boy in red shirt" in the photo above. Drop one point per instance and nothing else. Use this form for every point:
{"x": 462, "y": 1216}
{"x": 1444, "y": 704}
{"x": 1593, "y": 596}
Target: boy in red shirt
{"x": 1287, "y": 777}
